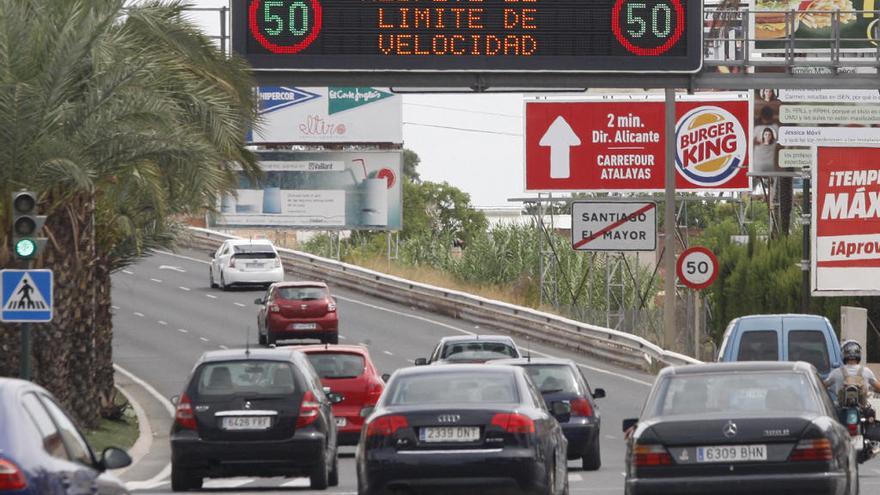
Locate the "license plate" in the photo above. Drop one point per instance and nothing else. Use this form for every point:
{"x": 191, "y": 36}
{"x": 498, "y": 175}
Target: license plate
{"x": 340, "y": 422}
{"x": 305, "y": 326}
{"x": 246, "y": 423}
{"x": 732, "y": 453}
{"x": 255, "y": 264}
{"x": 858, "y": 442}
{"x": 449, "y": 434}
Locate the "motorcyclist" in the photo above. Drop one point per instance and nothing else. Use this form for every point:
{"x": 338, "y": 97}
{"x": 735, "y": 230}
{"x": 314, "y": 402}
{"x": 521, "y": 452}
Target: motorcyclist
{"x": 852, "y": 357}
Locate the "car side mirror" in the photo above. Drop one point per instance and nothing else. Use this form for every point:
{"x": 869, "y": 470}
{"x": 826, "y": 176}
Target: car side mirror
{"x": 561, "y": 411}
{"x": 113, "y": 458}
{"x": 175, "y": 400}
{"x": 211, "y": 254}
{"x": 386, "y": 377}
{"x": 421, "y": 361}
{"x": 629, "y": 423}
{"x": 258, "y": 301}
{"x": 598, "y": 393}
{"x": 366, "y": 411}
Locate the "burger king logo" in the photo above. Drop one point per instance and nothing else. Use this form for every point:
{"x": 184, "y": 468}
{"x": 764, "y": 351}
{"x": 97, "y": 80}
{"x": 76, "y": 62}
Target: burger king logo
{"x": 710, "y": 146}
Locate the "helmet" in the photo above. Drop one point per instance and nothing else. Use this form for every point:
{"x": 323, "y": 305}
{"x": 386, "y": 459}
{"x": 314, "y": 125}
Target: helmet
{"x": 851, "y": 350}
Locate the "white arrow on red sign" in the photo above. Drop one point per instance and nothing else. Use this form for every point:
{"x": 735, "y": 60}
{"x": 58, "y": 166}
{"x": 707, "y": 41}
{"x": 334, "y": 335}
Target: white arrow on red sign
{"x": 560, "y": 138}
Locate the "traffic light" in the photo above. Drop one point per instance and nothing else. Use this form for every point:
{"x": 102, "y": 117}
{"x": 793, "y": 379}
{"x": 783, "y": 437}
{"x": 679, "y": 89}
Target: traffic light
{"x": 26, "y": 225}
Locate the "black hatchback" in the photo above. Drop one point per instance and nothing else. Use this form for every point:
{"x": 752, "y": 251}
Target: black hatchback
{"x": 258, "y": 412}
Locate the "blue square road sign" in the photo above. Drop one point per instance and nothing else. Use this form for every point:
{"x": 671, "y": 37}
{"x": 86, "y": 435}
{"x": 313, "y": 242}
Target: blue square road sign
{"x": 27, "y": 296}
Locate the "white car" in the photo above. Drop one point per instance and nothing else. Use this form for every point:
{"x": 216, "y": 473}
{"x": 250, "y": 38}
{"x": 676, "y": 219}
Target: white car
{"x": 245, "y": 262}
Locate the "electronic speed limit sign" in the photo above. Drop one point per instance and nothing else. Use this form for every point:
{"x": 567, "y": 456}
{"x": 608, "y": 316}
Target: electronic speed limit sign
{"x": 697, "y": 267}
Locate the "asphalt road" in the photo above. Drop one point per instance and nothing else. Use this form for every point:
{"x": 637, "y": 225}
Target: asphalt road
{"x": 166, "y": 316}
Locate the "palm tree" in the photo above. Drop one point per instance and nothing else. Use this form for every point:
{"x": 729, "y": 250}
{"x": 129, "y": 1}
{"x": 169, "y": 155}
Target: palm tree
{"x": 122, "y": 118}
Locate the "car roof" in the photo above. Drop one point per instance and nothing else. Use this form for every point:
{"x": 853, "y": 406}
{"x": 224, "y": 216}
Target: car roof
{"x": 782, "y": 315}
{"x": 242, "y": 242}
{"x": 737, "y": 367}
{"x": 532, "y": 361}
{"x": 278, "y": 354}
{"x": 301, "y": 283}
{"x": 456, "y": 368}
{"x": 475, "y": 338}
{"x": 318, "y": 348}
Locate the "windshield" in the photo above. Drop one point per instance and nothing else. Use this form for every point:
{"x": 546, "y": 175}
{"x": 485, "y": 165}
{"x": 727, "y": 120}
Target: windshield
{"x": 760, "y": 345}
{"x": 337, "y": 365}
{"x": 246, "y": 378}
{"x": 302, "y": 293}
{"x": 758, "y": 392}
{"x": 553, "y": 378}
{"x": 254, "y": 251}
{"x": 809, "y": 346}
{"x": 477, "y": 351}
{"x": 454, "y": 388}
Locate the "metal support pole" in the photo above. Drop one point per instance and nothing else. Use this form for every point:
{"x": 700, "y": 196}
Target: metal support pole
{"x": 806, "y": 214}
{"x": 698, "y": 323}
{"x": 223, "y": 38}
{"x": 669, "y": 227}
{"x": 25, "y": 364}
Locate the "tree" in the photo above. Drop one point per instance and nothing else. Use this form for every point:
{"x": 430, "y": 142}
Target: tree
{"x": 122, "y": 118}
{"x": 440, "y": 209}
{"x": 411, "y": 161}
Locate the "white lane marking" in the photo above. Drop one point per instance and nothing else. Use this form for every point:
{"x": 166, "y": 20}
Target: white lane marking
{"x": 203, "y": 339}
{"x": 166, "y": 471}
{"x": 342, "y": 337}
{"x": 362, "y": 343}
{"x": 163, "y": 323}
{"x": 610, "y": 437}
{"x": 298, "y": 482}
{"x": 411, "y": 361}
{"x": 115, "y": 307}
{"x": 139, "y": 315}
{"x": 175, "y": 268}
{"x": 212, "y": 296}
{"x": 574, "y": 477}
{"x": 223, "y": 347}
{"x": 466, "y": 332}
{"x": 388, "y": 353}
{"x": 444, "y": 325}
{"x": 240, "y": 305}
{"x": 156, "y": 280}
{"x": 184, "y": 288}
{"x": 182, "y": 330}
{"x": 128, "y": 272}
{"x": 623, "y": 474}
{"x": 227, "y": 483}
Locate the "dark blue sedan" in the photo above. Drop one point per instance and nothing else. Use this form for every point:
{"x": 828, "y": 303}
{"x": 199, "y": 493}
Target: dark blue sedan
{"x": 561, "y": 380}
{"x": 42, "y": 452}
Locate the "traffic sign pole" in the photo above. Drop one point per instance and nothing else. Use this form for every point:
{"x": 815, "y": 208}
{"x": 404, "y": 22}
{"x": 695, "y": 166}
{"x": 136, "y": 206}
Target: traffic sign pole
{"x": 25, "y": 363}
{"x": 669, "y": 326}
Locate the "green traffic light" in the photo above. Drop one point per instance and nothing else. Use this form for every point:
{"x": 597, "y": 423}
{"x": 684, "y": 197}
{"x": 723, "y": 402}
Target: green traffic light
{"x": 25, "y": 248}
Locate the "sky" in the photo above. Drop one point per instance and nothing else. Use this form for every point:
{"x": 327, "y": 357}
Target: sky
{"x": 473, "y": 141}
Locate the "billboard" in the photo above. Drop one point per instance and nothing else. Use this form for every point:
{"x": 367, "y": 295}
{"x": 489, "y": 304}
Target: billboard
{"x": 619, "y": 145}
{"x": 813, "y": 23}
{"x": 846, "y": 228}
{"x": 292, "y": 114}
{"x": 789, "y": 123}
{"x": 319, "y": 190}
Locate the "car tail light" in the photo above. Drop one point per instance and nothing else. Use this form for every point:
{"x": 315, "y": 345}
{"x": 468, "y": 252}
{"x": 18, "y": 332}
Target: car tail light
{"x": 308, "y": 410}
{"x": 514, "y": 423}
{"x": 373, "y": 394}
{"x": 11, "y": 478}
{"x": 812, "y": 450}
{"x": 650, "y": 455}
{"x": 183, "y": 414}
{"x": 232, "y": 262}
{"x": 331, "y": 306}
{"x": 385, "y": 426}
{"x": 581, "y": 407}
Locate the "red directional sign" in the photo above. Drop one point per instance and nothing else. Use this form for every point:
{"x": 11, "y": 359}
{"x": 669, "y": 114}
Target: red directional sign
{"x": 620, "y": 145}
{"x": 697, "y": 267}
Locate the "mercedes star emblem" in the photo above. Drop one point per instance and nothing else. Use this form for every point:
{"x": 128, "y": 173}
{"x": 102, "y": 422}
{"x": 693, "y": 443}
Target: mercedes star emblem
{"x": 247, "y": 405}
{"x": 729, "y": 429}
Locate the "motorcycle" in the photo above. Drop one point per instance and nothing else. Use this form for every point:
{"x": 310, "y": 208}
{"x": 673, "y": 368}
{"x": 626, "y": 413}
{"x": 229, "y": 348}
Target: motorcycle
{"x": 864, "y": 431}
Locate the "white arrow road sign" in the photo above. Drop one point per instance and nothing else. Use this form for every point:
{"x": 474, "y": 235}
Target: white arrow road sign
{"x": 560, "y": 138}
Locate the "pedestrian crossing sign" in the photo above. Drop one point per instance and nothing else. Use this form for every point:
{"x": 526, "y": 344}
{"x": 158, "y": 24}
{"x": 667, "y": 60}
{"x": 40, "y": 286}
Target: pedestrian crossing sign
{"x": 27, "y": 296}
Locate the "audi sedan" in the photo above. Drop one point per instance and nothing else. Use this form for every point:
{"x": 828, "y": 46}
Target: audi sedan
{"x": 735, "y": 428}
{"x": 444, "y": 429}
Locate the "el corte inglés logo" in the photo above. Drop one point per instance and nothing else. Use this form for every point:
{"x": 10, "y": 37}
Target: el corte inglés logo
{"x": 342, "y": 99}
{"x": 710, "y": 146}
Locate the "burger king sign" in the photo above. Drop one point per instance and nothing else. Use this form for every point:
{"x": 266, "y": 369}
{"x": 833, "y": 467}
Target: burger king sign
{"x": 711, "y": 147}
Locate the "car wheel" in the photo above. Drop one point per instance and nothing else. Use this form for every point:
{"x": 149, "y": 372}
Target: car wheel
{"x": 333, "y": 339}
{"x": 333, "y": 477}
{"x": 182, "y": 480}
{"x": 551, "y": 480}
{"x": 211, "y": 278}
{"x": 319, "y": 479}
{"x": 592, "y": 459}
{"x": 270, "y": 339}
{"x": 223, "y": 282}
{"x": 260, "y": 337}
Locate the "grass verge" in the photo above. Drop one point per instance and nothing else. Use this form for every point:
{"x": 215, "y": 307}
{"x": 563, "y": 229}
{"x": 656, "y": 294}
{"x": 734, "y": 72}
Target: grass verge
{"x": 121, "y": 433}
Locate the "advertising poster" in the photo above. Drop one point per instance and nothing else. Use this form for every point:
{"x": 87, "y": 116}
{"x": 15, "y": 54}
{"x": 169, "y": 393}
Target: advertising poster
{"x": 620, "y": 145}
{"x": 790, "y": 123}
{"x": 319, "y": 190}
{"x": 328, "y": 115}
{"x": 846, "y": 227}
{"x": 812, "y": 23}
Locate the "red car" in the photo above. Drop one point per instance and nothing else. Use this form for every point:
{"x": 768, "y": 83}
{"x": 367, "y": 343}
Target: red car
{"x": 297, "y": 310}
{"x": 349, "y": 372}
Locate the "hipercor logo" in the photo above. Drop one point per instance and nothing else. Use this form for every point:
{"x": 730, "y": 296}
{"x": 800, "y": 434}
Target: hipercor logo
{"x": 274, "y": 98}
{"x": 710, "y": 146}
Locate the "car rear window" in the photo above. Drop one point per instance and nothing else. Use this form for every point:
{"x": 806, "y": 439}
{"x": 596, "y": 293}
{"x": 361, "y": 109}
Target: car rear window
{"x": 758, "y": 345}
{"x": 759, "y": 392}
{"x": 254, "y": 251}
{"x": 809, "y": 346}
{"x": 454, "y": 388}
{"x": 553, "y": 378}
{"x": 253, "y": 378}
{"x": 302, "y": 293}
{"x": 466, "y": 351}
{"x": 337, "y": 364}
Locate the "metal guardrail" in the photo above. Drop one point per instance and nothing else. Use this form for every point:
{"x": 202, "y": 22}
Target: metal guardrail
{"x": 604, "y": 343}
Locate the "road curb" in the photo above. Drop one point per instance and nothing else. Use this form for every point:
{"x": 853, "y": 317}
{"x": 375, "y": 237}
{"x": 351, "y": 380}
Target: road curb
{"x": 145, "y": 434}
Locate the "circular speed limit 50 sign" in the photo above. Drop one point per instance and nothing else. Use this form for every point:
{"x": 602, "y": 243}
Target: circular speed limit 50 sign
{"x": 697, "y": 267}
